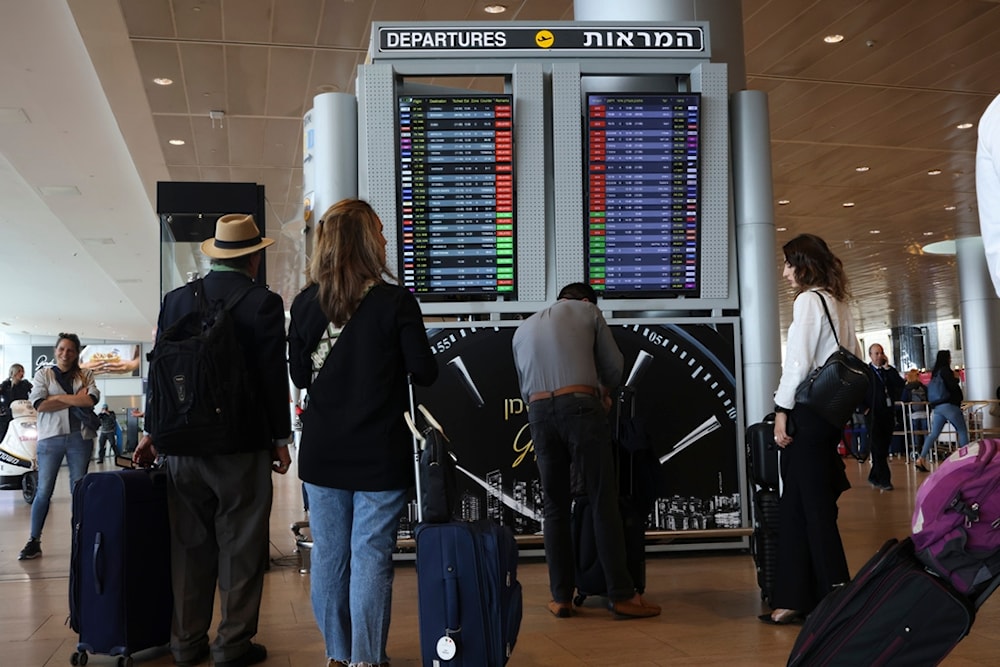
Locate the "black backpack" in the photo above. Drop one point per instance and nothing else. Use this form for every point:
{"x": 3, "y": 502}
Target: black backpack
{"x": 199, "y": 399}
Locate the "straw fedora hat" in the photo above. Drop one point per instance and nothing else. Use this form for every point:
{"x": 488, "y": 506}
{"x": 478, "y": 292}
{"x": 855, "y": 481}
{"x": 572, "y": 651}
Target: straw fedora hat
{"x": 235, "y": 235}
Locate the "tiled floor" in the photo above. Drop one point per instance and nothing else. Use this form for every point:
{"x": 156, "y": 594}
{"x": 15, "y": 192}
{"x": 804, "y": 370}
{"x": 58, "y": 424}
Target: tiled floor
{"x": 710, "y": 599}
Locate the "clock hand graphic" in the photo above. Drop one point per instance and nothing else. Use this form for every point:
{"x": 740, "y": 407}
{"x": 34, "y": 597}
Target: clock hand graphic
{"x": 681, "y": 373}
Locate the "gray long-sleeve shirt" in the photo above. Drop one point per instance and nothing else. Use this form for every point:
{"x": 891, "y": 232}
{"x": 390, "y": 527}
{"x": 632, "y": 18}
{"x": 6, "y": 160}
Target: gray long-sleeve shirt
{"x": 565, "y": 344}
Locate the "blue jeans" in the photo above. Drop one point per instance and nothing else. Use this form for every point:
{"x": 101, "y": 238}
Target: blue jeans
{"x": 953, "y": 415}
{"x": 572, "y": 431}
{"x": 354, "y": 534}
{"x": 50, "y": 456}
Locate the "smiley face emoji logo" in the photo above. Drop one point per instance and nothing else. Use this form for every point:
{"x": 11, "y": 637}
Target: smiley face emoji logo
{"x": 544, "y": 39}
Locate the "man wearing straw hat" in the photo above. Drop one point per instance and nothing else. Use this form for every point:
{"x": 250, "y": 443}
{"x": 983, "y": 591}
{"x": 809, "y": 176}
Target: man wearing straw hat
{"x": 220, "y": 504}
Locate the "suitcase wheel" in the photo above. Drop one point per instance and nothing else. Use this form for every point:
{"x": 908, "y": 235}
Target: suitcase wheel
{"x": 78, "y": 658}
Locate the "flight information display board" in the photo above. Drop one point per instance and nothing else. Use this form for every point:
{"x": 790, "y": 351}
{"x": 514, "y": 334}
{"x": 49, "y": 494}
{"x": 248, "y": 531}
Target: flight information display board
{"x": 643, "y": 225}
{"x": 456, "y": 199}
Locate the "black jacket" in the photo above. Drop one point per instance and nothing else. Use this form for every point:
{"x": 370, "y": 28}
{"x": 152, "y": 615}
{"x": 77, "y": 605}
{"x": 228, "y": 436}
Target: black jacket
{"x": 353, "y": 433}
{"x": 260, "y": 327}
{"x": 885, "y": 388}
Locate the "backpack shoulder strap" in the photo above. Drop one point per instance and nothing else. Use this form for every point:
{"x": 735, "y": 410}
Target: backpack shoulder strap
{"x": 238, "y": 295}
{"x": 198, "y": 286}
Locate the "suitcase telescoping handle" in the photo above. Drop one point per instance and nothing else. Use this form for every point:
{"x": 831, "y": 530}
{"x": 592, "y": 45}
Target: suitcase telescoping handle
{"x": 418, "y": 440}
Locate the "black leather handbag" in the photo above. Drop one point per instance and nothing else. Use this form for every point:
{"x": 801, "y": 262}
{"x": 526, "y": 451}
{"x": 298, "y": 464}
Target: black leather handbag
{"x": 838, "y": 386}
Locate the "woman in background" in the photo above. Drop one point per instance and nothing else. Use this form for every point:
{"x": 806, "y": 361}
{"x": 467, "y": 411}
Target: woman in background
{"x": 14, "y": 388}
{"x": 946, "y": 409}
{"x": 811, "y": 560}
{"x": 914, "y": 391}
{"x": 352, "y": 340}
{"x": 60, "y": 394}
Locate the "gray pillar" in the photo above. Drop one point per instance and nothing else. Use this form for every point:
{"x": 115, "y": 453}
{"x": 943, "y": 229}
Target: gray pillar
{"x": 980, "y": 311}
{"x": 725, "y": 17}
{"x": 755, "y": 243}
{"x": 335, "y": 153}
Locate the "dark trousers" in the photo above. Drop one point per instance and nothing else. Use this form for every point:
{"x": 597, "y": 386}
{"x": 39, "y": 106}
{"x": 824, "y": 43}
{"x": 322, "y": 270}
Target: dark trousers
{"x": 219, "y": 511}
{"x": 811, "y": 556}
{"x": 103, "y": 440}
{"x": 573, "y": 431}
{"x": 880, "y": 426}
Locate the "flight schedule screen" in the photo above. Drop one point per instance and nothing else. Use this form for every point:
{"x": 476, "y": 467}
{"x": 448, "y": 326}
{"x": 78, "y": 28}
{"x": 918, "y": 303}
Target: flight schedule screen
{"x": 642, "y": 229}
{"x": 457, "y": 196}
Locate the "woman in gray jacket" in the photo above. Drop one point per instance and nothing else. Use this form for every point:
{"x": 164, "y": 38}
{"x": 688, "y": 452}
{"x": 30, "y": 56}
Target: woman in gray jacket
{"x": 61, "y": 394}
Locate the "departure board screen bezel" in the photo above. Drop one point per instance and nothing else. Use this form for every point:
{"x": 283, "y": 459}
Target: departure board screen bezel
{"x": 503, "y": 260}
{"x": 597, "y": 199}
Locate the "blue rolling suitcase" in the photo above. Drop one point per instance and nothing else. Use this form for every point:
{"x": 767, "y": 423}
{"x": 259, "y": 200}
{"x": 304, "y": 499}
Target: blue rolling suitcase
{"x": 469, "y": 596}
{"x": 119, "y": 584}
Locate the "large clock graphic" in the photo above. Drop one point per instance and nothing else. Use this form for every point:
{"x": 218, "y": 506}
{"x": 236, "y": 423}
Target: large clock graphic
{"x": 683, "y": 377}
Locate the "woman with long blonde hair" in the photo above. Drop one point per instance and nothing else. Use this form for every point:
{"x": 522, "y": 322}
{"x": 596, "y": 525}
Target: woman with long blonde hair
{"x": 353, "y": 338}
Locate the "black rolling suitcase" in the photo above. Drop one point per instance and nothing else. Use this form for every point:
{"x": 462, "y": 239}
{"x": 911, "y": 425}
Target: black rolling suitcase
{"x": 120, "y": 598}
{"x": 765, "y": 481}
{"x": 639, "y": 483}
{"x": 469, "y": 598}
{"x": 894, "y": 612}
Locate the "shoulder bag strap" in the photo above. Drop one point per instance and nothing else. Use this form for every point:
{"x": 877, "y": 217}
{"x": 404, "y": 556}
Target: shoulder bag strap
{"x": 324, "y": 347}
{"x": 828, "y": 318}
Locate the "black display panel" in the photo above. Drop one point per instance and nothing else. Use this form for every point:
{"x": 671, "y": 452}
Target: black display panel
{"x": 456, "y": 198}
{"x": 643, "y": 223}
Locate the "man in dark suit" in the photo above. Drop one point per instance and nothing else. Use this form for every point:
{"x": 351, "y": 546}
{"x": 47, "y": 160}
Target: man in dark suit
{"x": 885, "y": 389}
{"x": 220, "y": 504}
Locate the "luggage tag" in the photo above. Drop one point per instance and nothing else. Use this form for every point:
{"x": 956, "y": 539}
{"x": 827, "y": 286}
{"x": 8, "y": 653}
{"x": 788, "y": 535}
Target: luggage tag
{"x": 446, "y": 648}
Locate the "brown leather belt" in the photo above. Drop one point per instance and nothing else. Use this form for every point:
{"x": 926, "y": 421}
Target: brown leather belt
{"x": 562, "y": 391}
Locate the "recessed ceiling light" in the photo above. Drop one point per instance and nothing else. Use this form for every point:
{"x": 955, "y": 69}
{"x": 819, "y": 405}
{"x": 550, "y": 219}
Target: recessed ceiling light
{"x": 928, "y": 233}
{"x": 495, "y": 9}
{"x": 59, "y": 190}
{"x": 833, "y": 39}
{"x": 874, "y": 231}
{"x": 847, "y": 204}
{"x": 950, "y": 207}
{"x": 862, "y": 168}
{"x": 964, "y": 126}
{"x": 781, "y": 229}
{"x": 162, "y": 81}
{"x": 784, "y": 202}
{"x": 934, "y": 172}
{"x": 176, "y": 142}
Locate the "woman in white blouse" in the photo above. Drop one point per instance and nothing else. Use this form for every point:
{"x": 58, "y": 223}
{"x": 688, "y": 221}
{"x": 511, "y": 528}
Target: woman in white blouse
{"x": 811, "y": 559}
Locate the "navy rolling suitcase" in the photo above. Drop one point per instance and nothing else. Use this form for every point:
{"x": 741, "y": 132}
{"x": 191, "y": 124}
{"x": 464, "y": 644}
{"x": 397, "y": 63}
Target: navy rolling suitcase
{"x": 894, "y": 612}
{"x": 469, "y": 596}
{"x": 589, "y": 575}
{"x": 119, "y": 584}
{"x": 639, "y": 485}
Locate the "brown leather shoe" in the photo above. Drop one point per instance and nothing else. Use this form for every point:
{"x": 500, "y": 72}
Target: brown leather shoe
{"x": 634, "y": 608}
{"x": 561, "y": 609}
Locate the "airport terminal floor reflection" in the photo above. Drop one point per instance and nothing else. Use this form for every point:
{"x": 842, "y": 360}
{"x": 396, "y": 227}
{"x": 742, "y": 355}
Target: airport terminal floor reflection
{"x": 710, "y": 600}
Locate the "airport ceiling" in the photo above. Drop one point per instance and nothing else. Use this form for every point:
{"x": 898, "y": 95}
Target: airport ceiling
{"x": 84, "y": 135}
